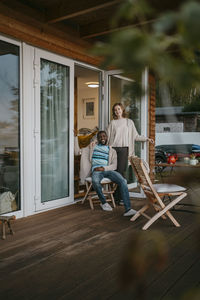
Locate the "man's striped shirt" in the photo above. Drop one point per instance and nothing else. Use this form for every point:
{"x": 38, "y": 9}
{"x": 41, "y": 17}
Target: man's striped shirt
{"x": 100, "y": 156}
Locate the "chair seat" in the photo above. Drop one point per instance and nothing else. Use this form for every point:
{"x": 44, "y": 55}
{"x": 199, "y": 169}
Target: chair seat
{"x": 168, "y": 188}
{"x": 103, "y": 181}
{"x": 108, "y": 188}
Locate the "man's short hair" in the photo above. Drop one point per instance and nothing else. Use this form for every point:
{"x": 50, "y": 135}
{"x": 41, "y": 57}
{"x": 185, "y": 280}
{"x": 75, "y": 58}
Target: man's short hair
{"x": 101, "y": 131}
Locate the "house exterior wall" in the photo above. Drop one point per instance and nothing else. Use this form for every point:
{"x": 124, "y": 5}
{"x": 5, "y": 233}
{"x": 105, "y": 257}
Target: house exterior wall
{"x": 189, "y": 121}
{"x": 34, "y": 35}
{"x": 89, "y": 95}
{"x": 169, "y": 127}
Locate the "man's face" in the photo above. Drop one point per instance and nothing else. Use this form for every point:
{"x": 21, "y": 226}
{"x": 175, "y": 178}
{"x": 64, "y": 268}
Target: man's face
{"x": 102, "y": 138}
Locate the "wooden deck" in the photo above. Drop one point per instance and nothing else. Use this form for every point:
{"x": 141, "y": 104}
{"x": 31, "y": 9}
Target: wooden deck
{"x": 74, "y": 253}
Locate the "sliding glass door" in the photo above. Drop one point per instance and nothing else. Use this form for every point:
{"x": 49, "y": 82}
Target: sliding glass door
{"x": 53, "y": 120}
{"x": 122, "y": 88}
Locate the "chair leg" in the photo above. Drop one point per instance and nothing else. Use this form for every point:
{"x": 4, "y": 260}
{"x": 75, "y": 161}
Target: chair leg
{"x": 165, "y": 210}
{"x": 91, "y": 203}
{"x": 10, "y": 228}
{"x": 157, "y": 208}
{"x": 111, "y": 195}
{"x": 87, "y": 192}
{"x": 113, "y": 200}
{"x": 139, "y": 213}
{"x": 108, "y": 193}
{"x": 174, "y": 202}
{"x": 6, "y": 220}
{"x": 157, "y": 216}
{"x": 4, "y": 229}
{"x": 170, "y": 216}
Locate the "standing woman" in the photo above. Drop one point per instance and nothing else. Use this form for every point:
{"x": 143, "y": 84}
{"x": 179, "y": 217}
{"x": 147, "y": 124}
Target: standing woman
{"x": 122, "y": 135}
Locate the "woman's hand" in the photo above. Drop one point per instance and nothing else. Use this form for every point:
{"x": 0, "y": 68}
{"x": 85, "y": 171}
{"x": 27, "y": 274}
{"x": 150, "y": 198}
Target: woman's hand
{"x": 151, "y": 141}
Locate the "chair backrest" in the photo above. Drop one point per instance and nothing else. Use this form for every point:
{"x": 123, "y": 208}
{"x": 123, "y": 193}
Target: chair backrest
{"x": 135, "y": 162}
{"x": 141, "y": 172}
{"x": 85, "y": 164}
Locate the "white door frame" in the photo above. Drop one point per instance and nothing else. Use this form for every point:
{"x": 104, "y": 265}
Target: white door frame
{"x": 144, "y": 113}
{"x": 69, "y": 63}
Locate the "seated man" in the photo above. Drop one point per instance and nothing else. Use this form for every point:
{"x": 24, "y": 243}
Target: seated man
{"x": 104, "y": 163}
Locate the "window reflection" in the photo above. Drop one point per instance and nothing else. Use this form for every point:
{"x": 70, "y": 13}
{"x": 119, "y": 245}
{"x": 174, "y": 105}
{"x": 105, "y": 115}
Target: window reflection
{"x": 177, "y": 126}
{"x": 54, "y": 92}
{"x": 9, "y": 127}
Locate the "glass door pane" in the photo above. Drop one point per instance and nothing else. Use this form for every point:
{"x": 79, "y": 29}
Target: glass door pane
{"x": 121, "y": 89}
{"x": 9, "y": 128}
{"x": 54, "y": 105}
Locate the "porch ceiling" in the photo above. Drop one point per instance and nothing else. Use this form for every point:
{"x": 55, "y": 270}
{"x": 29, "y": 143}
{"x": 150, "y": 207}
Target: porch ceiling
{"x": 88, "y": 19}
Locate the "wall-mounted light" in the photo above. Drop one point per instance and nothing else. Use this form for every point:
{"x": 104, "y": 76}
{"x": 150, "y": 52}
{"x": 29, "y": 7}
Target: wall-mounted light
{"x": 92, "y": 84}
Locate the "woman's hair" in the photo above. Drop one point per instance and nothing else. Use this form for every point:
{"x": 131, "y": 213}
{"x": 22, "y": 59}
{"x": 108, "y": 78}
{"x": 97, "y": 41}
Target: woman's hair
{"x": 113, "y": 110}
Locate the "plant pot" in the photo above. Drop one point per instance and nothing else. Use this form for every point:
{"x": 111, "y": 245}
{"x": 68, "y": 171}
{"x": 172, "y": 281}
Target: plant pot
{"x": 186, "y": 160}
{"x": 193, "y": 162}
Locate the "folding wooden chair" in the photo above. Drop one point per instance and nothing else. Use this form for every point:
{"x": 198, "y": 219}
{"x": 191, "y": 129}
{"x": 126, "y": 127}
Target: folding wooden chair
{"x": 155, "y": 194}
{"x": 6, "y": 220}
{"x": 108, "y": 190}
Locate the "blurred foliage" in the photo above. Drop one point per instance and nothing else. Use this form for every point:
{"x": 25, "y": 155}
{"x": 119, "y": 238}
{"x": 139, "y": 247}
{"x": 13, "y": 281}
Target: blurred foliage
{"x": 145, "y": 252}
{"x": 132, "y": 90}
{"x": 194, "y": 105}
{"x": 132, "y": 12}
{"x": 193, "y": 294}
{"x": 189, "y": 99}
{"x": 167, "y": 44}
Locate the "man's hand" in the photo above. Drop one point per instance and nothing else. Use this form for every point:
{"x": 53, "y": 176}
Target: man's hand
{"x": 99, "y": 169}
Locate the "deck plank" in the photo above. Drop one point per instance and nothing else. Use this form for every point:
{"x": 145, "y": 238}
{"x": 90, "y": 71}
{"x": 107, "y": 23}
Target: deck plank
{"x": 74, "y": 253}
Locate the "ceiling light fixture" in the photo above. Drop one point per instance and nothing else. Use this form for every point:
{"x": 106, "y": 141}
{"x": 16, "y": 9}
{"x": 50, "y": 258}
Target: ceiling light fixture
{"x": 92, "y": 84}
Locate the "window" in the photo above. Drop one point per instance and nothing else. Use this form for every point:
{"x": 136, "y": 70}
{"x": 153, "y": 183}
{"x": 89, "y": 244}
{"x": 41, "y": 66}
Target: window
{"x": 54, "y": 96}
{"x": 9, "y": 128}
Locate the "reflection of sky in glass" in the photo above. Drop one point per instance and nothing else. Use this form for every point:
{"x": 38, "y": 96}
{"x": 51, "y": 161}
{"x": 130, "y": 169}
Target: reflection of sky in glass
{"x": 9, "y": 80}
{"x": 50, "y": 77}
{"x": 54, "y": 97}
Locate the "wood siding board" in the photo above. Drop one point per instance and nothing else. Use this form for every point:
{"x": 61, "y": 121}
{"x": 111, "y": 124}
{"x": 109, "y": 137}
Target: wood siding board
{"x": 46, "y": 40}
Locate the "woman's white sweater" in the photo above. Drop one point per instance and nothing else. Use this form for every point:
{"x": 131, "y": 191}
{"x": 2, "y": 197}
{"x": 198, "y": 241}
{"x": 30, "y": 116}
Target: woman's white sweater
{"x": 123, "y": 133}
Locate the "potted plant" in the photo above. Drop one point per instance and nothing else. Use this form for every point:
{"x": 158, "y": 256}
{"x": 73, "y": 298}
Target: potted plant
{"x": 193, "y": 160}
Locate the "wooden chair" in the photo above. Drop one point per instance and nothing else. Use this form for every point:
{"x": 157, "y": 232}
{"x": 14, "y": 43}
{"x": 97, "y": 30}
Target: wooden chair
{"x": 6, "y": 220}
{"x": 108, "y": 190}
{"x": 155, "y": 194}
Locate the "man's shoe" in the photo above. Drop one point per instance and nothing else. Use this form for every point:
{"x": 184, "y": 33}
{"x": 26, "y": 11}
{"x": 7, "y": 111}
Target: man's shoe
{"x": 130, "y": 212}
{"x": 106, "y": 206}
